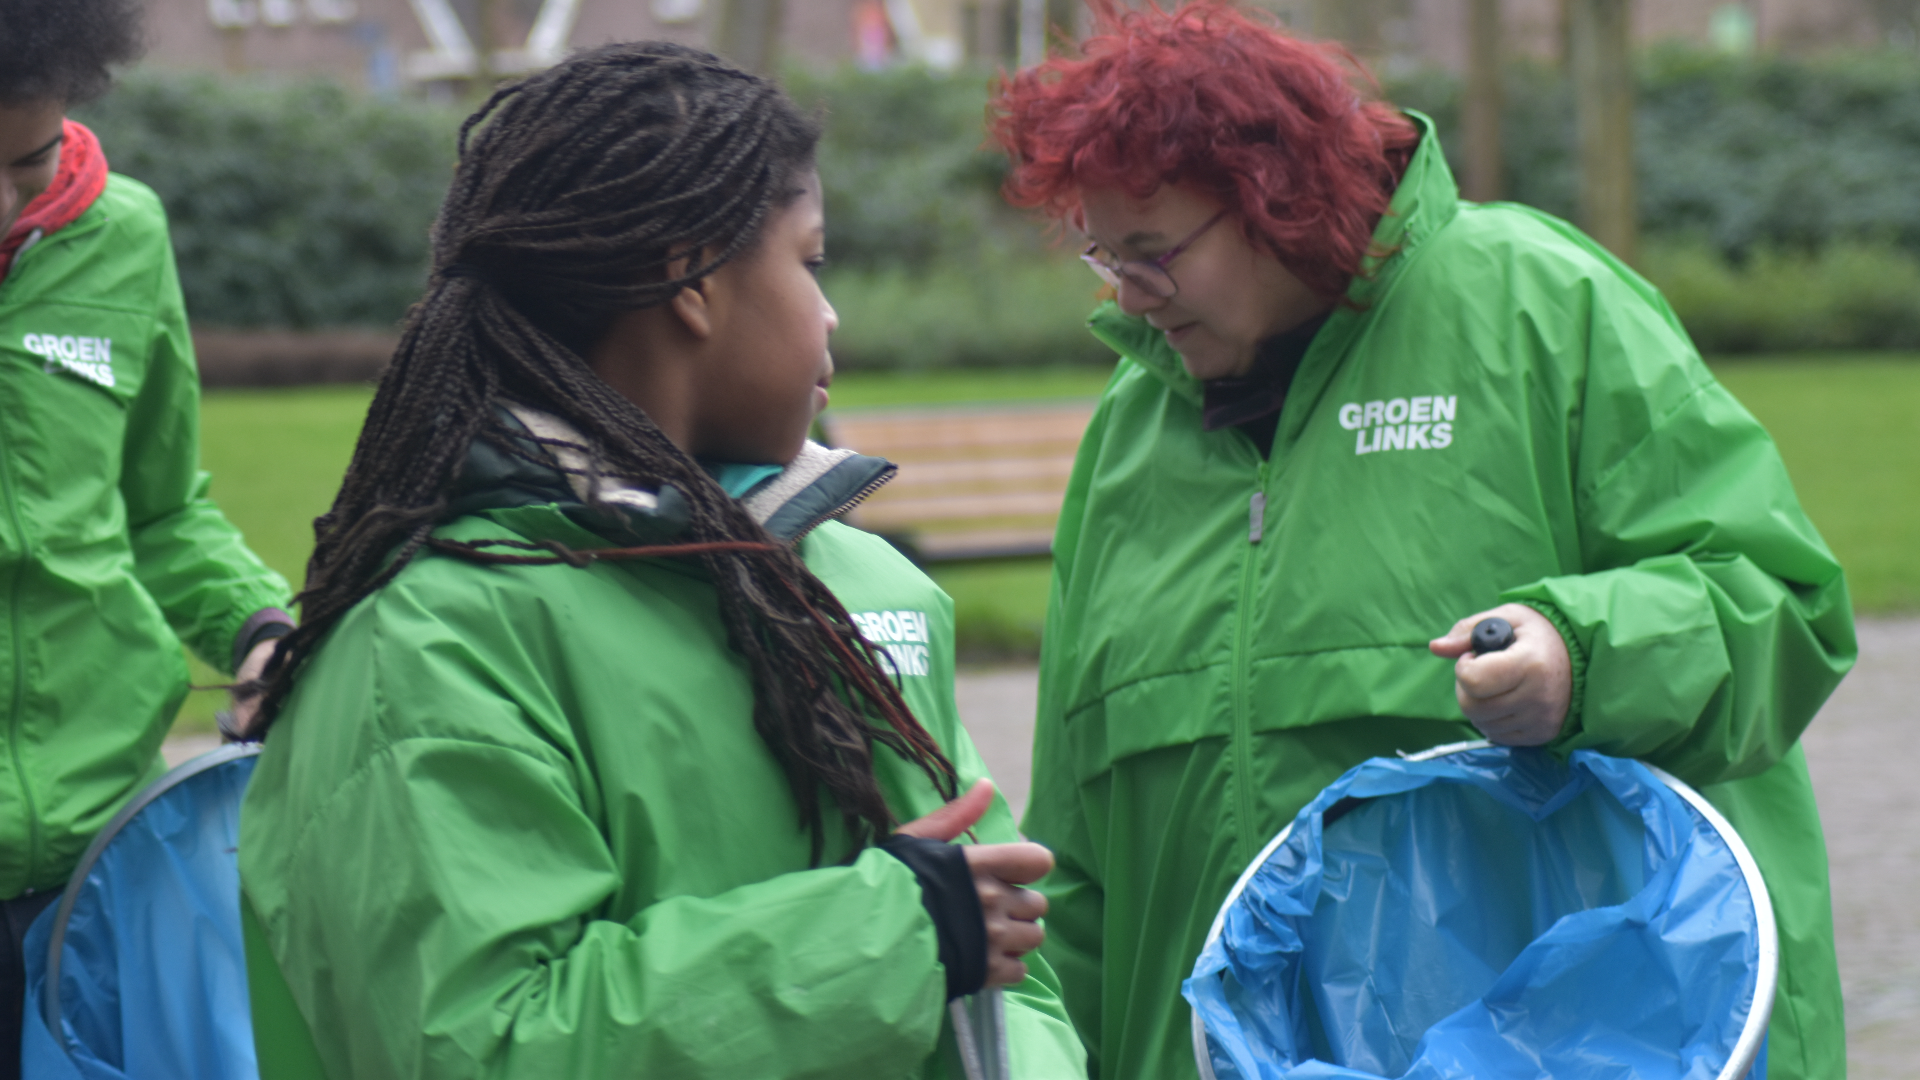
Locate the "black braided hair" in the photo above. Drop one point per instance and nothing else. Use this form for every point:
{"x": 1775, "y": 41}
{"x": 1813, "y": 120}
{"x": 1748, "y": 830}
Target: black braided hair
{"x": 576, "y": 189}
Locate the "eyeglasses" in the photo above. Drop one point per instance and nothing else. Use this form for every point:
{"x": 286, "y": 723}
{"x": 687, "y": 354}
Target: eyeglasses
{"x": 1149, "y": 277}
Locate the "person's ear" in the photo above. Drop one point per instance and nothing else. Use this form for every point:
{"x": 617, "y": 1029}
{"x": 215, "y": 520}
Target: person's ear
{"x": 690, "y": 307}
{"x": 690, "y": 304}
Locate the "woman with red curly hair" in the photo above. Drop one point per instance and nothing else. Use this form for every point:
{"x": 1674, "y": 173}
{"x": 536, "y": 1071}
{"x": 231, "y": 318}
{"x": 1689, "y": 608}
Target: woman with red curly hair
{"x": 1353, "y": 411}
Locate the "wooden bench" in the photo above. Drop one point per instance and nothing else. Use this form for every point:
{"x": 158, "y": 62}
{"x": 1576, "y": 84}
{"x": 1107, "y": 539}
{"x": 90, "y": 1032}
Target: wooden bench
{"x": 975, "y": 481}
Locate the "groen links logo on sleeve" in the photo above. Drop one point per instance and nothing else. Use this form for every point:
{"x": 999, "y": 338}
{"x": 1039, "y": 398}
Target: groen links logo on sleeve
{"x": 1421, "y": 423}
{"x": 902, "y": 637}
{"x": 91, "y": 358}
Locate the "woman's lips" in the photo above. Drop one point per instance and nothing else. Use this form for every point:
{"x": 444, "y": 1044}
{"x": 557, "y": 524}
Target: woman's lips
{"x": 1179, "y": 333}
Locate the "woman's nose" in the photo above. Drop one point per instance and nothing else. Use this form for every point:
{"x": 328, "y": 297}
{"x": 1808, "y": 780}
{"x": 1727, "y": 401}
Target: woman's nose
{"x": 1135, "y": 300}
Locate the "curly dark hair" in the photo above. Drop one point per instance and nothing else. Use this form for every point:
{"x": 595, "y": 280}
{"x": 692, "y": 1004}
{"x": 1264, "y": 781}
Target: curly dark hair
{"x": 62, "y": 50}
{"x": 575, "y": 190}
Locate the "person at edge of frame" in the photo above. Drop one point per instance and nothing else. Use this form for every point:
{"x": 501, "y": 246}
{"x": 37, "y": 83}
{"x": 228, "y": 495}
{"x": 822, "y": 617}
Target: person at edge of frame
{"x": 110, "y": 550}
{"x": 1353, "y": 412}
{"x": 579, "y": 765}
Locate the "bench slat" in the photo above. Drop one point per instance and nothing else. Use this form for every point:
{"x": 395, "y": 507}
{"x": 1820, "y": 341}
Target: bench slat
{"x": 999, "y": 504}
{"x": 1025, "y": 472}
{"x": 985, "y": 543}
{"x": 973, "y": 432}
{"x": 974, "y": 482}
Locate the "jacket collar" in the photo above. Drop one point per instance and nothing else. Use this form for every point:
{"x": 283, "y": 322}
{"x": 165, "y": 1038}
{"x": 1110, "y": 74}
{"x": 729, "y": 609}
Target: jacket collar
{"x": 818, "y": 484}
{"x": 1426, "y": 199}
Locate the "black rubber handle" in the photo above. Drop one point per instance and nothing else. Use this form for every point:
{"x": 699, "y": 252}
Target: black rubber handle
{"x": 1491, "y": 635}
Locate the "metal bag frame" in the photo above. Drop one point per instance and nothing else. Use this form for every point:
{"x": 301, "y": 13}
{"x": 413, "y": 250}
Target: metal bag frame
{"x": 1745, "y": 1049}
{"x": 56, "y": 942}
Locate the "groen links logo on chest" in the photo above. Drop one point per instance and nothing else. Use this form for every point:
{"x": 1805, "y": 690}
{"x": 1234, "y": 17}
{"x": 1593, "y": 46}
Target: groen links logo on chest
{"x": 1419, "y": 423}
{"x": 902, "y": 637}
{"x": 91, "y": 358}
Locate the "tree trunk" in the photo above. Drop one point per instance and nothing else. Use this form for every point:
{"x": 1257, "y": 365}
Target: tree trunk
{"x": 1480, "y": 118}
{"x": 1602, "y": 71}
{"x": 747, "y": 32}
{"x": 485, "y": 44}
{"x": 1063, "y": 25}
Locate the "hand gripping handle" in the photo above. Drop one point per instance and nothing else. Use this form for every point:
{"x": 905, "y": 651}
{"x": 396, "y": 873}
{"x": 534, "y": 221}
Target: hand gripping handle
{"x": 1491, "y": 635}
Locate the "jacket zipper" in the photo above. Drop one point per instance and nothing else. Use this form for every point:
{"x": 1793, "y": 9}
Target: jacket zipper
{"x": 8, "y": 491}
{"x": 846, "y": 504}
{"x": 17, "y": 699}
{"x": 1246, "y": 841}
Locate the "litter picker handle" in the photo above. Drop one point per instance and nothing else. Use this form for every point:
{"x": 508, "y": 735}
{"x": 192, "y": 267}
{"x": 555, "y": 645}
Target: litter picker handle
{"x": 1492, "y": 634}
{"x": 980, "y": 1029}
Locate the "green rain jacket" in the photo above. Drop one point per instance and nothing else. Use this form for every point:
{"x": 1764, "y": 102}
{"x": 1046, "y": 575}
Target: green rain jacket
{"x": 517, "y": 822}
{"x": 111, "y": 554}
{"x": 1503, "y": 413}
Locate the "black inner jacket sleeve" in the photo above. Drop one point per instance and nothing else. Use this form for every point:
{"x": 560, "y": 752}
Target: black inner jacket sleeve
{"x": 263, "y": 625}
{"x": 952, "y": 902}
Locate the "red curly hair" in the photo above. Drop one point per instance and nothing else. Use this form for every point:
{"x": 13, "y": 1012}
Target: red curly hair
{"x": 1211, "y": 97}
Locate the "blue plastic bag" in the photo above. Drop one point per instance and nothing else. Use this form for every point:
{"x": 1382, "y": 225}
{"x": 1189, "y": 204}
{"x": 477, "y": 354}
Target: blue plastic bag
{"x": 1490, "y": 913}
{"x": 152, "y": 971}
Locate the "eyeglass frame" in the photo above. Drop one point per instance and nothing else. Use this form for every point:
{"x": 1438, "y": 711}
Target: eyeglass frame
{"x": 1114, "y": 273}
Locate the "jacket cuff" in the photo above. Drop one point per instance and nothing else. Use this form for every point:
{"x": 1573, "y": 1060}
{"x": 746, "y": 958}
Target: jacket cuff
{"x": 263, "y": 625}
{"x": 1576, "y": 662}
{"x": 953, "y": 903}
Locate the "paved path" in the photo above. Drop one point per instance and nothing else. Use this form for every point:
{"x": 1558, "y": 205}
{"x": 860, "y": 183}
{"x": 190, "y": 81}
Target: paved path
{"x": 181, "y": 747}
{"x": 1861, "y": 751}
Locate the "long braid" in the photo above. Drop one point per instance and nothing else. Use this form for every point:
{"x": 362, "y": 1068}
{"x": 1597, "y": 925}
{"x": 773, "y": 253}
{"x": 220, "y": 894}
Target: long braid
{"x": 577, "y": 189}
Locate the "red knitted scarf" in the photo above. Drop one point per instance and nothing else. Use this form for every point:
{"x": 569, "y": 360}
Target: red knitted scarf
{"x": 80, "y": 180}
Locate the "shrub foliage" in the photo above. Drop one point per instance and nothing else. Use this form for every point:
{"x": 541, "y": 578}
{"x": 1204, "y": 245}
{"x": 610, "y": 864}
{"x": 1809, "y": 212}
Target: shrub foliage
{"x": 1741, "y": 154}
{"x": 1774, "y": 193}
{"x": 292, "y": 204}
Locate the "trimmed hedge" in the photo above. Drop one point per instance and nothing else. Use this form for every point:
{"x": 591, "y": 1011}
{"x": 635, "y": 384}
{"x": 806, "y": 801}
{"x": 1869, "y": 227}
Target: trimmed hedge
{"x": 1775, "y": 195}
{"x": 993, "y": 310}
{"x": 293, "y": 205}
{"x": 909, "y": 183}
{"x": 1849, "y": 295}
{"x": 1740, "y": 153}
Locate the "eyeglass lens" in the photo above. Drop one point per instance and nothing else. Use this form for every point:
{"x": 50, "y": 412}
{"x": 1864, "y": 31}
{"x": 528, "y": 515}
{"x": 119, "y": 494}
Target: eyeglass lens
{"x": 1144, "y": 276}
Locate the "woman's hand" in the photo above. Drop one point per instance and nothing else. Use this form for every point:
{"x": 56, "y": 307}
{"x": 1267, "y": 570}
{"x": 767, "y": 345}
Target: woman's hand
{"x": 245, "y": 706}
{"x": 999, "y": 870}
{"x": 1517, "y": 697}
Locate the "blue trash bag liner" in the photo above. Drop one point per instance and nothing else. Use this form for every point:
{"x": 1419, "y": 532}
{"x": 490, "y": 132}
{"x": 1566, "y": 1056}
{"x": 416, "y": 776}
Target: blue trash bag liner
{"x": 1488, "y": 913}
{"x": 153, "y": 979}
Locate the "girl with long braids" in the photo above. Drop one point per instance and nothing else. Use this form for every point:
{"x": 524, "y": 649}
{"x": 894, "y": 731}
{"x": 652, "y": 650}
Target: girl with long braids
{"x": 583, "y": 762}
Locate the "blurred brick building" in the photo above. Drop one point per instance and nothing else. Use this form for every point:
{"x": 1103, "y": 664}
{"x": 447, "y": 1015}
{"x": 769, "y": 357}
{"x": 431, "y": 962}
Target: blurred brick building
{"x": 388, "y": 45}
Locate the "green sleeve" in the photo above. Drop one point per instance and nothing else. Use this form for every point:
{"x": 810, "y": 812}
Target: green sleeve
{"x": 1710, "y": 621}
{"x": 1040, "y": 1036}
{"x": 470, "y": 946}
{"x": 187, "y": 555}
{"x": 1056, "y": 810}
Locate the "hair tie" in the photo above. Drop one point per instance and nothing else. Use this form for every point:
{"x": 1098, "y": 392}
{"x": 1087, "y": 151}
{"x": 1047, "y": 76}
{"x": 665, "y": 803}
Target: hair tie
{"x": 462, "y": 270}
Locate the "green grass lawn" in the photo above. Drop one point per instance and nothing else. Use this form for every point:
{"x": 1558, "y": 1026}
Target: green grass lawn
{"x": 276, "y": 457}
{"x": 1849, "y": 429}
{"x": 1848, "y": 426}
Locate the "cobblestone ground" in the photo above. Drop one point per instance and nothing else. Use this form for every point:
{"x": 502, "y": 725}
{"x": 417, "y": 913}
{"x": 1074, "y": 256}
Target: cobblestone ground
{"x": 1865, "y": 773}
